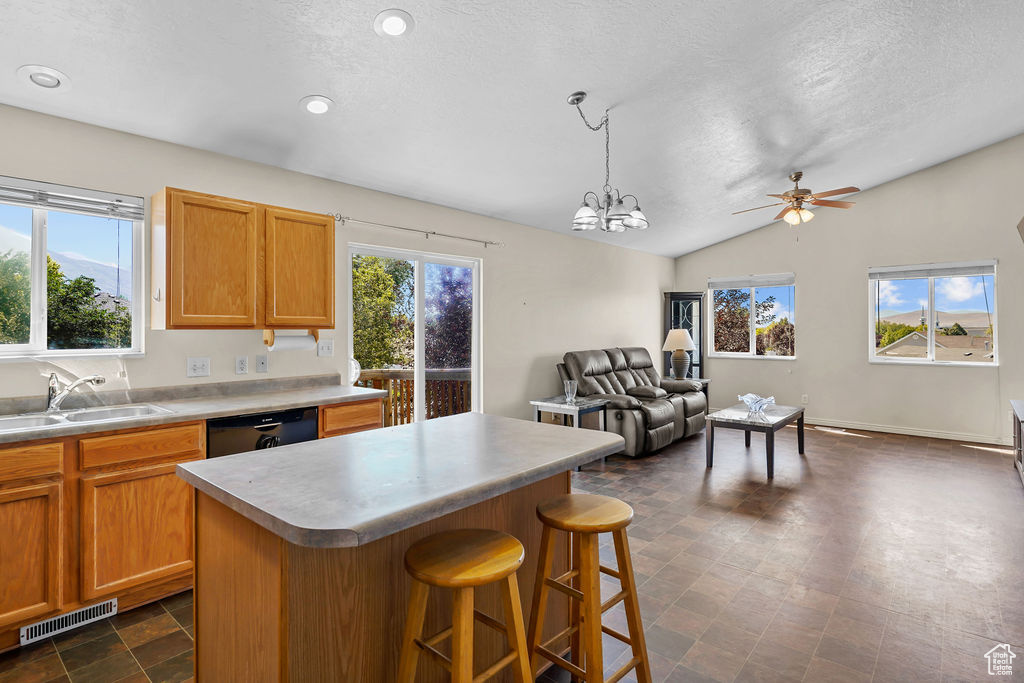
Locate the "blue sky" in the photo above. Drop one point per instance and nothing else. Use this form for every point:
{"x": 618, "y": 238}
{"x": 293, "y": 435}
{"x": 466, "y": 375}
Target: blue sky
{"x": 89, "y": 237}
{"x": 951, "y": 294}
{"x": 784, "y": 305}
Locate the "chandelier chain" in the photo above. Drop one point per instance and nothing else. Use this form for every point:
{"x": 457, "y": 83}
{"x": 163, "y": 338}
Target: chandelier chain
{"x": 607, "y": 144}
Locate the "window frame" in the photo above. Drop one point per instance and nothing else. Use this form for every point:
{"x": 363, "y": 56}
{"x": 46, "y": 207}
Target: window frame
{"x": 36, "y": 348}
{"x": 894, "y": 272}
{"x": 418, "y": 258}
{"x": 751, "y": 282}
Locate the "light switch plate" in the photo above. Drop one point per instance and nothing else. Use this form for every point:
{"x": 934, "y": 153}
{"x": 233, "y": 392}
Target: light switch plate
{"x": 261, "y": 363}
{"x": 325, "y": 347}
{"x": 241, "y": 365}
{"x": 197, "y": 367}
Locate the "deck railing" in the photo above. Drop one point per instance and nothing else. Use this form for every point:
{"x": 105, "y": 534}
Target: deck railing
{"x": 447, "y": 392}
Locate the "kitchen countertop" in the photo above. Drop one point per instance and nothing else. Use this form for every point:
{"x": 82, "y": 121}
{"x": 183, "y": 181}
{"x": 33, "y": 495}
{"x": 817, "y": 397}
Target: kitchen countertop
{"x": 350, "y": 490}
{"x": 184, "y": 410}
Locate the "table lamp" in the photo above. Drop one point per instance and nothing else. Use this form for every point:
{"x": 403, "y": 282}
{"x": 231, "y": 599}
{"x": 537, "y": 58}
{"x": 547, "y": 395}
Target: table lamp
{"x": 680, "y": 344}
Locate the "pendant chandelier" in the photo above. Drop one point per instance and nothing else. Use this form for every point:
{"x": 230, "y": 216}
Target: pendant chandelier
{"x": 603, "y": 211}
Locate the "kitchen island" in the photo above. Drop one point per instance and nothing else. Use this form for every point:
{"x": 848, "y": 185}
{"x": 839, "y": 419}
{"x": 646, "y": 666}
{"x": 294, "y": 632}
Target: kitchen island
{"x": 299, "y": 549}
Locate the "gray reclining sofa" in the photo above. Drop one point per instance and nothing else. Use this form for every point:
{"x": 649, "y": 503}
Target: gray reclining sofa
{"x": 649, "y": 412}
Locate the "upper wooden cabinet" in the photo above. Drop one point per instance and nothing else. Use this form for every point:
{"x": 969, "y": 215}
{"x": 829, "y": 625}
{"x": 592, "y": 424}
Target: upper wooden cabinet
{"x": 299, "y": 269}
{"x": 231, "y": 264}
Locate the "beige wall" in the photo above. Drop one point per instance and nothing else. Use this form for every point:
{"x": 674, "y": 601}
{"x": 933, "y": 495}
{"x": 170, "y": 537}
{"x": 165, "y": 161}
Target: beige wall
{"x": 543, "y": 293}
{"x": 964, "y": 209}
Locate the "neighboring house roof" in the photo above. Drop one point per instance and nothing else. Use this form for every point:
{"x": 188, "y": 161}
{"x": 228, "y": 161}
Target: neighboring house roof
{"x": 948, "y": 347}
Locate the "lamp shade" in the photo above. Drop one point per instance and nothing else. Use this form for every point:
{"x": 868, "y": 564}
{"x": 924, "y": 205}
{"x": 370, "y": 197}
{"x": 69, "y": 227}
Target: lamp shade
{"x": 678, "y": 340}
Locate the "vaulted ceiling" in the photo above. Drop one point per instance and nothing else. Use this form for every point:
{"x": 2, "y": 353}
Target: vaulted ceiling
{"x": 713, "y": 102}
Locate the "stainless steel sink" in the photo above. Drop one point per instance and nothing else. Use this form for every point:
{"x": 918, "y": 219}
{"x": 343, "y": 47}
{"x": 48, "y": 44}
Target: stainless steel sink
{"x": 16, "y": 422}
{"x": 107, "y": 413}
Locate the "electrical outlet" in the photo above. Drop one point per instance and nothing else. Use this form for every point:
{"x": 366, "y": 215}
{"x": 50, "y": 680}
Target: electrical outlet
{"x": 197, "y": 367}
{"x": 325, "y": 347}
{"x": 803, "y": 399}
{"x": 261, "y": 363}
{"x": 241, "y": 365}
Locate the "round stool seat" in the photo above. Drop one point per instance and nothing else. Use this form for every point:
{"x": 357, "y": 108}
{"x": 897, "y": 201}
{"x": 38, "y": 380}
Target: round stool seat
{"x": 585, "y": 513}
{"x": 464, "y": 557}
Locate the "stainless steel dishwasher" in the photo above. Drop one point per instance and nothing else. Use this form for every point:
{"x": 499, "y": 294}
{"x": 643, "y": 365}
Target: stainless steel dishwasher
{"x": 244, "y": 433}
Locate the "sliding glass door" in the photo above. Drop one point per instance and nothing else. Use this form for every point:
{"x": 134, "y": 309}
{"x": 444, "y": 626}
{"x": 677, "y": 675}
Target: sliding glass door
{"x": 415, "y": 330}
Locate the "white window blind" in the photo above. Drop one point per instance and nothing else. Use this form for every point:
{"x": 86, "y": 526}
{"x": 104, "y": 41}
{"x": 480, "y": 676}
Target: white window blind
{"x": 743, "y": 281}
{"x": 933, "y": 270}
{"x": 40, "y": 195}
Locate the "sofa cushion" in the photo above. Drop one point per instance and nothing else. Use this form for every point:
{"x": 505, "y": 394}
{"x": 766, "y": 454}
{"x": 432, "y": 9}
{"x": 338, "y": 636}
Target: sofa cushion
{"x": 641, "y": 366}
{"x": 647, "y": 392}
{"x": 694, "y": 403}
{"x": 658, "y": 412}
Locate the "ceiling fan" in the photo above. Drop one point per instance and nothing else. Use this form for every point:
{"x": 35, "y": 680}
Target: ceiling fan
{"x": 795, "y": 213}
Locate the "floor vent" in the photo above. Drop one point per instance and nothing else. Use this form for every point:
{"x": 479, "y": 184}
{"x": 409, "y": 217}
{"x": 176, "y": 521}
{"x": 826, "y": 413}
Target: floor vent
{"x": 66, "y": 622}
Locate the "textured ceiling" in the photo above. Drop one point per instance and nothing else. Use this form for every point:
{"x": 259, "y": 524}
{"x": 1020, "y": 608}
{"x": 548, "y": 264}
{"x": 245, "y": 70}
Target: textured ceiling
{"x": 713, "y": 102}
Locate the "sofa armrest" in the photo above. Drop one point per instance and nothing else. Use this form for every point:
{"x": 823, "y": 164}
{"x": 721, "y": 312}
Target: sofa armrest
{"x": 680, "y": 386}
{"x": 619, "y": 401}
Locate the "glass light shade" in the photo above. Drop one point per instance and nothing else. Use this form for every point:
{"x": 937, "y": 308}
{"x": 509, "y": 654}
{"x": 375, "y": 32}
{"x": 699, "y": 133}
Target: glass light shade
{"x": 613, "y": 225}
{"x": 636, "y": 220}
{"x": 792, "y": 217}
{"x": 618, "y": 211}
{"x": 585, "y": 218}
{"x": 806, "y": 215}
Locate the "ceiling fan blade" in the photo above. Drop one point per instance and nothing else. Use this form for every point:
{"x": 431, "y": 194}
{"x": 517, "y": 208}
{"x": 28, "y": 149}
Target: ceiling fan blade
{"x": 757, "y": 207}
{"x": 832, "y": 193}
{"x": 783, "y": 213}
{"x": 832, "y": 202}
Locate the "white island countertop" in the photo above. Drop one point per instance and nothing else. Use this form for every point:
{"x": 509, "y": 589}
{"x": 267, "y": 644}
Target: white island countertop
{"x": 350, "y": 490}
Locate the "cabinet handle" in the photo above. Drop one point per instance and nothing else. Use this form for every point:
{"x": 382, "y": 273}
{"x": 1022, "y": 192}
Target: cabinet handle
{"x": 156, "y": 297}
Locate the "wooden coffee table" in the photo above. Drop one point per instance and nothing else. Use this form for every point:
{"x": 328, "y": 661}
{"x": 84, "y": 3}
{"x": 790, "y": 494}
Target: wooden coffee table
{"x": 770, "y": 421}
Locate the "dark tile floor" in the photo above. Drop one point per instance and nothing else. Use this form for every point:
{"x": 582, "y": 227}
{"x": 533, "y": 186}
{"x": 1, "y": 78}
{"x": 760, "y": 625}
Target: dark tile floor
{"x": 874, "y": 557}
{"x": 150, "y": 643}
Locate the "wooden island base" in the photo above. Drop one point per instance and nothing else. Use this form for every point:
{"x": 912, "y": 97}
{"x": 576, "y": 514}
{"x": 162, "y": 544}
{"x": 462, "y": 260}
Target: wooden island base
{"x": 269, "y": 610}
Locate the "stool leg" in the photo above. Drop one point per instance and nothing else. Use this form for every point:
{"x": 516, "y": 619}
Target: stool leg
{"x": 575, "y": 608}
{"x": 462, "y": 636}
{"x": 540, "y": 596}
{"x": 590, "y": 584}
{"x": 521, "y": 671}
{"x": 413, "y": 630}
{"x": 636, "y": 627}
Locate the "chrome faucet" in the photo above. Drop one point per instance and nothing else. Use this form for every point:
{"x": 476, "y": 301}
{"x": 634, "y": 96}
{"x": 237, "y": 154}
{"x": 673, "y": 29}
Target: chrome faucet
{"x": 55, "y": 396}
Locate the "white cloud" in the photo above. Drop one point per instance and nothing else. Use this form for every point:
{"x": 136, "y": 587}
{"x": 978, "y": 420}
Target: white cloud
{"x": 923, "y": 303}
{"x": 889, "y": 293}
{"x": 959, "y": 288}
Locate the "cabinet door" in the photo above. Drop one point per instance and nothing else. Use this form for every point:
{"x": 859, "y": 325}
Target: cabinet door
{"x": 30, "y": 561}
{"x": 299, "y": 269}
{"x": 347, "y": 418}
{"x": 136, "y": 528}
{"x": 211, "y": 273}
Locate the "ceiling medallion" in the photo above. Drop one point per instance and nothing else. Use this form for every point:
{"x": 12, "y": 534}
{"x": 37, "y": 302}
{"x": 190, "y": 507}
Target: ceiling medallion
{"x": 611, "y": 215}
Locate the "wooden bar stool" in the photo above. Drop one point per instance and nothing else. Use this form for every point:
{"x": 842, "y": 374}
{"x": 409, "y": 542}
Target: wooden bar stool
{"x": 584, "y": 516}
{"x": 462, "y": 559}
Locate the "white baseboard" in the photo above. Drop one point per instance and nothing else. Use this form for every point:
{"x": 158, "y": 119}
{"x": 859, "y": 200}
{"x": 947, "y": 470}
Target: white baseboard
{"x": 910, "y": 431}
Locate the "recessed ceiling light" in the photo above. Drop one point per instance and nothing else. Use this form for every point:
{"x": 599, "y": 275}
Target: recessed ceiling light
{"x": 44, "y": 77}
{"x": 316, "y": 104}
{"x": 392, "y": 23}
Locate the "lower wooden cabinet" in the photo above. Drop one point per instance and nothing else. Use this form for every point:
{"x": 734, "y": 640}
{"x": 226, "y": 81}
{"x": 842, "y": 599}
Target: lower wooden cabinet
{"x": 30, "y": 562}
{"x": 136, "y": 527}
{"x": 346, "y": 418}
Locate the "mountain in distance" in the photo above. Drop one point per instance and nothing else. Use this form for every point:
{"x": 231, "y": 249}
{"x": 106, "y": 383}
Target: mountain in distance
{"x": 73, "y": 265}
{"x": 973, "y": 319}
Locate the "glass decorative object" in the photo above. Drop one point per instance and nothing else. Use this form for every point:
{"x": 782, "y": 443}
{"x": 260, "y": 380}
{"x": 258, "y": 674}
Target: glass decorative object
{"x": 354, "y": 370}
{"x": 570, "y": 390}
{"x": 755, "y": 403}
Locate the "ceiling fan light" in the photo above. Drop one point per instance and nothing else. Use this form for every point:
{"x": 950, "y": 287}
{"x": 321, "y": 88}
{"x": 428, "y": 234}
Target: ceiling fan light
{"x": 613, "y": 225}
{"x": 792, "y": 217}
{"x": 636, "y": 220}
{"x": 805, "y": 215}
